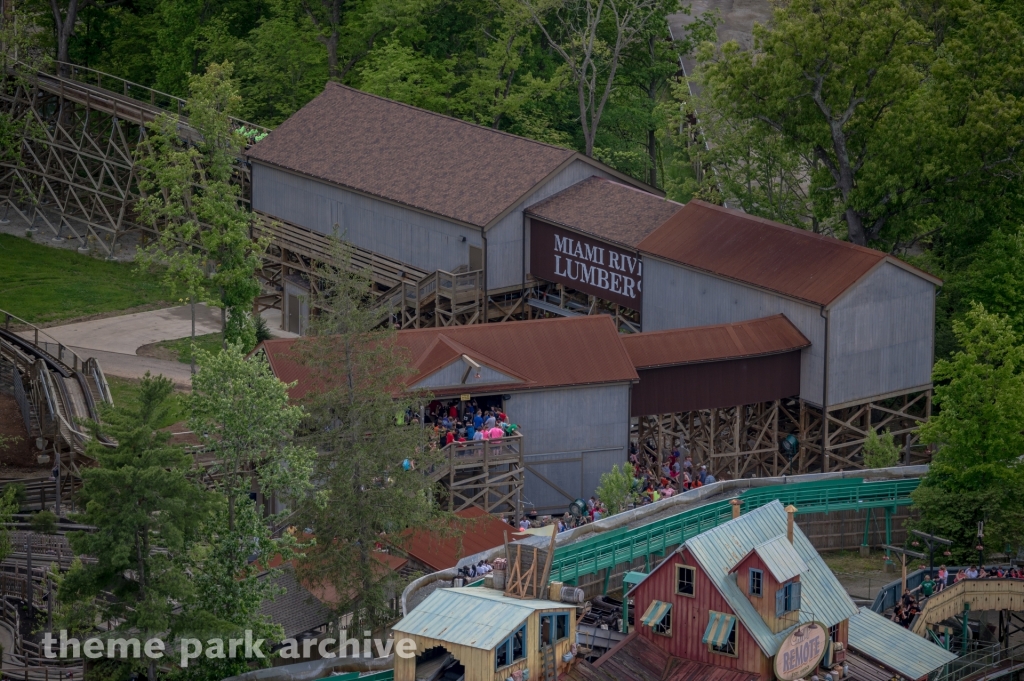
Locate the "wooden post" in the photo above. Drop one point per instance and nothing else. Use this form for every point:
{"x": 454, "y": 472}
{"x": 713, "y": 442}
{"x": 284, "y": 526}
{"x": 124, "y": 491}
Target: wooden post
{"x": 736, "y": 443}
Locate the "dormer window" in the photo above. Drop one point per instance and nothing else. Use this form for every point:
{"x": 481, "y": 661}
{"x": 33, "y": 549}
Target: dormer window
{"x": 787, "y": 598}
{"x": 756, "y": 582}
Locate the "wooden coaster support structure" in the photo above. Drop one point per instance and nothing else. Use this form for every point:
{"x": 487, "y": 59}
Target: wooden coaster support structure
{"x": 528, "y": 569}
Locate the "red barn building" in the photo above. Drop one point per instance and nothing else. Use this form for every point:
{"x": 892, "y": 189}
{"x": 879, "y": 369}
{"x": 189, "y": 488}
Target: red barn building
{"x": 751, "y": 600}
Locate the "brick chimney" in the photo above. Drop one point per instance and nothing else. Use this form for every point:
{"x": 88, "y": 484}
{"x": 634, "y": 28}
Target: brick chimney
{"x": 790, "y": 512}
{"x": 736, "y": 503}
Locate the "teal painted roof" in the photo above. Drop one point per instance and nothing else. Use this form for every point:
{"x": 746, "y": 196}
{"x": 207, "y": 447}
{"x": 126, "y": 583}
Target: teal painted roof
{"x": 781, "y": 559}
{"x": 899, "y": 649}
{"x": 471, "y": 616}
{"x": 822, "y": 597}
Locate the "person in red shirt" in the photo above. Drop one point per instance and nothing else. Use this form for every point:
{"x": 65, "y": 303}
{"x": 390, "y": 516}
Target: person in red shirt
{"x": 453, "y": 412}
{"x": 449, "y": 438}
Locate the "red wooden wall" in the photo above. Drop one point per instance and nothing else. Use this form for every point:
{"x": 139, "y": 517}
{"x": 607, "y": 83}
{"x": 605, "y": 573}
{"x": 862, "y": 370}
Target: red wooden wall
{"x": 690, "y": 619}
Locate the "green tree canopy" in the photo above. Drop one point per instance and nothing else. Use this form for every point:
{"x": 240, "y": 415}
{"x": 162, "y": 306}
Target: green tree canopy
{"x": 976, "y": 472}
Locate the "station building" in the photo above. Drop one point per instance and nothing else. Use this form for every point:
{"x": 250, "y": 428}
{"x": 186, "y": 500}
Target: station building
{"x": 779, "y": 349}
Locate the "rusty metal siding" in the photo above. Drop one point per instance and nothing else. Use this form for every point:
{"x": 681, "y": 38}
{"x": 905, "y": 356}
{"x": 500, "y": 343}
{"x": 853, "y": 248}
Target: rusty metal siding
{"x": 505, "y": 240}
{"x": 678, "y": 297}
{"x": 571, "y": 437}
{"x": 707, "y": 385}
{"x": 881, "y": 336}
{"x": 421, "y": 240}
{"x": 690, "y": 618}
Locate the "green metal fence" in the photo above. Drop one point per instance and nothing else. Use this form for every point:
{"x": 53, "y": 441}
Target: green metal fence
{"x": 624, "y": 545}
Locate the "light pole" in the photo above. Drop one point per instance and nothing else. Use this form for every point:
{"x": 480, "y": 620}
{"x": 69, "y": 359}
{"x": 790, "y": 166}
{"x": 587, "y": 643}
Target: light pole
{"x": 980, "y": 547}
{"x": 931, "y": 540}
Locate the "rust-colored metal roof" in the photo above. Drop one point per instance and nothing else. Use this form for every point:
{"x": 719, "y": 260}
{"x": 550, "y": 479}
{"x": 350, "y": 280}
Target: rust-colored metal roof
{"x": 610, "y": 210}
{"x": 764, "y": 336}
{"x": 540, "y": 353}
{"x": 482, "y": 532}
{"x": 636, "y": 658}
{"x": 766, "y": 254}
{"x": 408, "y": 155}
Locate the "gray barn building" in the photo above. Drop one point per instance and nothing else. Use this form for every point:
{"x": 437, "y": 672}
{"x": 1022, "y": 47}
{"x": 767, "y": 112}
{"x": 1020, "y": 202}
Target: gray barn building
{"x": 870, "y": 318}
{"x": 413, "y": 191}
{"x": 565, "y": 383}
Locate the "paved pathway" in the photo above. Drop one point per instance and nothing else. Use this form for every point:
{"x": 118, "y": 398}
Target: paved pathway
{"x": 114, "y": 340}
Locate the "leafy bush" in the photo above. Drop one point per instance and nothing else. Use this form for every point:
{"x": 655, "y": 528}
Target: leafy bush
{"x": 880, "y": 451}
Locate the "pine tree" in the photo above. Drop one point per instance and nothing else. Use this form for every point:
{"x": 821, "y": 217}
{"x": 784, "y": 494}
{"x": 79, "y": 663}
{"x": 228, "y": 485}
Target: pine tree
{"x": 146, "y": 513}
{"x": 363, "y": 493}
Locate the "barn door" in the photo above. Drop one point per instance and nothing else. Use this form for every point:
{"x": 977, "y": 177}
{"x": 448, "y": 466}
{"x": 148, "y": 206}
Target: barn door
{"x": 294, "y": 313}
{"x": 476, "y": 258}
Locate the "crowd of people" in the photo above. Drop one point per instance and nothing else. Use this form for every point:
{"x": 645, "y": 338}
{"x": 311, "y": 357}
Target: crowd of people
{"x": 457, "y": 421}
{"x": 678, "y": 473}
{"x": 908, "y": 607}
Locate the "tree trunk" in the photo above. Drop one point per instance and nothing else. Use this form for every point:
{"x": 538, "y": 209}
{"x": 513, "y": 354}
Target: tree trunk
{"x": 65, "y": 28}
{"x": 192, "y": 351}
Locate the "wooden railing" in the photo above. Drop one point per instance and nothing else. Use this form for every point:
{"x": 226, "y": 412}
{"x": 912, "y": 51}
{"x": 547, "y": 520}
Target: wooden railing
{"x": 982, "y": 594}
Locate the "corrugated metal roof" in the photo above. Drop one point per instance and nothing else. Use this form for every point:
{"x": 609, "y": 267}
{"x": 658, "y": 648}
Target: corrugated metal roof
{"x": 766, "y": 254}
{"x": 544, "y": 352}
{"x": 781, "y": 558}
{"x": 897, "y": 648}
{"x": 822, "y": 597}
{"x": 610, "y": 210}
{"x": 756, "y": 337}
{"x": 471, "y": 616}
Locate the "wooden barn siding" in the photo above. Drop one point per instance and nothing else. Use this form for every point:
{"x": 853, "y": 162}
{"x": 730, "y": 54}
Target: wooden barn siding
{"x": 505, "y": 240}
{"x": 451, "y": 375}
{"x": 479, "y": 664}
{"x": 881, "y": 336}
{"x": 677, "y": 297}
{"x": 424, "y": 241}
{"x": 764, "y": 604}
{"x": 585, "y": 430}
{"x": 690, "y": 619}
{"x": 833, "y": 532}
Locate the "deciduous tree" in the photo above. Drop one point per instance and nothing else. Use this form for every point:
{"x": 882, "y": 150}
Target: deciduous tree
{"x": 976, "y": 472}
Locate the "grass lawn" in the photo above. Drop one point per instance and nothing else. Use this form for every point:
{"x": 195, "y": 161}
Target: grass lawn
{"x": 181, "y": 349}
{"x": 42, "y": 284}
{"x": 125, "y": 392}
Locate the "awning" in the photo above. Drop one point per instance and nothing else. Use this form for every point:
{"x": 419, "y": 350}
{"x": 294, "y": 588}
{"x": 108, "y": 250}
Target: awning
{"x": 655, "y": 613}
{"x": 719, "y": 627}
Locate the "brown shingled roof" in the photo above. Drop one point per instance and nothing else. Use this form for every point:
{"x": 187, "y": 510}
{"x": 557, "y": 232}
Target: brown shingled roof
{"x": 765, "y": 336}
{"x": 766, "y": 254}
{"x": 412, "y": 156}
{"x": 607, "y": 209}
{"x": 545, "y": 353}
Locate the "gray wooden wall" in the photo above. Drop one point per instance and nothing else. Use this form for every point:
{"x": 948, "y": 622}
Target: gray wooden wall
{"x": 505, "y": 240}
{"x": 881, "y": 336}
{"x": 423, "y": 241}
{"x": 677, "y": 297}
{"x": 571, "y": 436}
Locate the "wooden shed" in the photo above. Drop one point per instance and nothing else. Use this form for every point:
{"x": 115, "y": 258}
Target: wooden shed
{"x": 488, "y": 634}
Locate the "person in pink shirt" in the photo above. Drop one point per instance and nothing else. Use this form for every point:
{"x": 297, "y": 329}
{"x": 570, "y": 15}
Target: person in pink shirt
{"x": 497, "y": 433}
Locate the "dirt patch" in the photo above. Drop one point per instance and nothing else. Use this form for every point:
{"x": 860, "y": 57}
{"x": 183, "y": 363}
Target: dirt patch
{"x": 862, "y": 577}
{"x": 157, "y": 351}
{"x": 18, "y": 458}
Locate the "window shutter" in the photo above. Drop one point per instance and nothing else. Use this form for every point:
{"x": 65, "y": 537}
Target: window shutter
{"x": 750, "y": 582}
{"x": 780, "y": 601}
{"x": 796, "y": 596}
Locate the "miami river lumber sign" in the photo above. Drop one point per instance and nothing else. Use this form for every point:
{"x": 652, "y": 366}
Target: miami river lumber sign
{"x": 586, "y": 264}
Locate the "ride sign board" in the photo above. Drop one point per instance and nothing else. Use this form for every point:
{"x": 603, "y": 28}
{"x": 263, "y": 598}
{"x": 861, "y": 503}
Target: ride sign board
{"x": 801, "y": 652}
{"x": 586, "y": 264}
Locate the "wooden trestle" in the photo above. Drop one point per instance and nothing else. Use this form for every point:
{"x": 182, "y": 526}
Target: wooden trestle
{"x": 485, "y": 474}
{"x": 745, "y": 441}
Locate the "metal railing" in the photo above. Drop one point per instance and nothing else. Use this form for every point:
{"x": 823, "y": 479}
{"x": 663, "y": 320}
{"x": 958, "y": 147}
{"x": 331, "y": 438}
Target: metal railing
{"x": 985, "y": 661}
{"x": 610, "y": 549}
{"x": 50, "y": 345}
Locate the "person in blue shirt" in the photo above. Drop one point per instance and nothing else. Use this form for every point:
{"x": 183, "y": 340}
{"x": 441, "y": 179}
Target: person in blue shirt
{"x": 470, "y": 432}
{"x": 478, "y": 420}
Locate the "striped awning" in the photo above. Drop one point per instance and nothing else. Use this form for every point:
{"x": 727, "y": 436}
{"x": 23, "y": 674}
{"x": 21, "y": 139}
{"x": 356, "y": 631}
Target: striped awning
{"x": 719, "y": 627}
{"x": 655, "y": 613}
